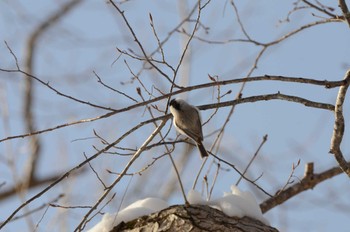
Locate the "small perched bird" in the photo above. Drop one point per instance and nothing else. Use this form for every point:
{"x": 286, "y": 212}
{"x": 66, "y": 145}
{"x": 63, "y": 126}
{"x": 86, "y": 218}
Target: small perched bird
{"x": 187, "y": 121}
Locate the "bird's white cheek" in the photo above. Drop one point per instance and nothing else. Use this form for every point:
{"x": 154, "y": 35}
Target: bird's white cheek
{"x": 176, "y": 116}
{"x": 175, "y": 113}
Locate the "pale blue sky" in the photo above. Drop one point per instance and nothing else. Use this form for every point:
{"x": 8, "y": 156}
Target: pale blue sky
{"x": 86, "y": 40}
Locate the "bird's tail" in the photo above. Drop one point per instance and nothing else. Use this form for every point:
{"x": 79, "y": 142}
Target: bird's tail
{"x": 202, "y": 150}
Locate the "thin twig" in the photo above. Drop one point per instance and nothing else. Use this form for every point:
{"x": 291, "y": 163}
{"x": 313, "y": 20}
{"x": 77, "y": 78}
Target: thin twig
{"x": 47, "y": 84}
{"x": 253, "y": 158}
{"x": 122, "y": 200}
{"x": 187, "y": 44}
{"x": 33, "y": 184}
{"x": 138, "y": 42}
{"x": 158, "y": 40}
{"x": 132, "y": 160}
{"x": 68, "y": 173}
{"x": 99, "y": 80}
{"x": 274, "y": 42}
{"x": 36, "y": 209}
{"x": 70, "y": 207}
{"x": 214, "y": 181}
{"x": 241, "y": 174}
{"x": 170, "y": 156}
{"x": 139, "y": 172}
{"x": 42, "y": 217}
{"x": 199, "y": 172}
{"x": 96, "y": 174}
{"x": 319, "y": 9}
{"x": 100, "y": 210}
{"x": 291, "y": 175}
{"x": 240, "y": 21}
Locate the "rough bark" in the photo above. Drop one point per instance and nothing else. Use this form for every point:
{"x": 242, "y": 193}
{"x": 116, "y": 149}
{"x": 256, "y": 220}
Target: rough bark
{"x": 192, "y": 218}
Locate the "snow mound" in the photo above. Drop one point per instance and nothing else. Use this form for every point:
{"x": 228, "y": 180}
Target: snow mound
{"x": 235, "y": 203}
{"x": 135, "y": 210}
{"x": 239, "y": 203}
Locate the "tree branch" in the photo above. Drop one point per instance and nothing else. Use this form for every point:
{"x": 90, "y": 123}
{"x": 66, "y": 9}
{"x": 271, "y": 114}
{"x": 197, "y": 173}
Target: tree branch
{"x": 308, "y": 182}
{"x": 68, "y": 173}
{"x": 121, "y": 12}
{"x": 132, "y": 160}
{"x": 28, "y": 89}
{"x": 339, "y": 127}
{"x": 267, "y": 97}
{"x": 345, "y": 10}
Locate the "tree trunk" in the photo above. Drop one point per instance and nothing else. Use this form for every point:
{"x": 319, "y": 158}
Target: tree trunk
{"x": 192, "y": 218}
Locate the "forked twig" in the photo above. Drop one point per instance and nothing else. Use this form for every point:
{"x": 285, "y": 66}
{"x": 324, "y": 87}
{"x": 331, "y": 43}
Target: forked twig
{"x": 240, "y": 173}
{"x": 308, "y": 182}
{"x": 253, "y": 158}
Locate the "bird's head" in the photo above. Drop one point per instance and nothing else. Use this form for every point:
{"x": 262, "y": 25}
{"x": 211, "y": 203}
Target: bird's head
{"x": 176, "y": 103}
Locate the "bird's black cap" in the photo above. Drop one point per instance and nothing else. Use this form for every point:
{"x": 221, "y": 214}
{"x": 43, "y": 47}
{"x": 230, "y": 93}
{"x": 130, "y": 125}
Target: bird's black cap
{"x": 174, "y": 104}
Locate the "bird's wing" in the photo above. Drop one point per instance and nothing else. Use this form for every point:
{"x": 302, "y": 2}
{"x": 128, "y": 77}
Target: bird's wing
{"x": 192, "y": 127}
{"x": 189, "y": 133}
{"x": 199, "y": 125}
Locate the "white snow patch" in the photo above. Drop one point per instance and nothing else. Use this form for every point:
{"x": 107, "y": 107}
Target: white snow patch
{"x": 195, "y": 198}
{"x": 135, "y": 210}
{"x": 235, "y": 203}
{"x": 239, "y": 203}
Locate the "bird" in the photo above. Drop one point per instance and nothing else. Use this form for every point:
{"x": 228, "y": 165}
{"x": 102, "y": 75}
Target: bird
{"x": 187, "y": 121}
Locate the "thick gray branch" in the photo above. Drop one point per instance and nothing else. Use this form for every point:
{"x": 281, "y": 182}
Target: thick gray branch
{"x": 339, "y": 127}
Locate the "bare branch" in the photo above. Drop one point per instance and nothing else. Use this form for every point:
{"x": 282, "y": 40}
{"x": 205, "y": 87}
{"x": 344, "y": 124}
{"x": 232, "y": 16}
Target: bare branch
{"x": 214, "y": 181}
{"x": 33, "y": 184}
{"x": 28, "y": 98}
{"x": 327, "y": 84}
{"x": 68, "y": 173}
{"x": 241, "y": 174}
{"x": 274, "y": 42}
{"x": 47, "y": 84}
{"x": 169, "y": 155}
{"x": 113, "y": 89}
{"x": 158, "y": 41}
{"x": 345, "y": 10}
{"x": 132, "y": 160}
{"x": 139, "y": 172}
{"x": 138, "y": 42}
{"x": 319, "y": 9}
{"x": 240, "y": 21}
{"x": 187, "y": 44}
{"x": 291, "y": 175}
{"x": 108, "y": 201}
{"x": 267, "y": 97}
{"x": 37, "y": 209}
{"x": 253, "y": 158}
{"x": 339, "y": 126}
{"x": 96, "y": 174}
{"x": 308, "y": 182}
{"x": 56, "y": 127}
